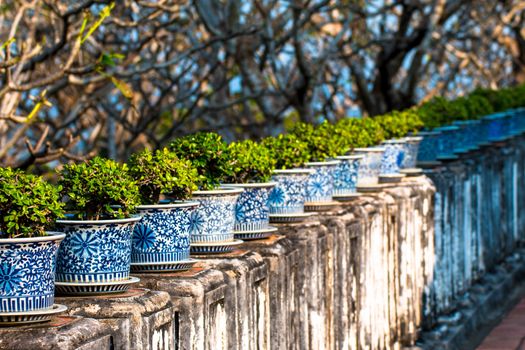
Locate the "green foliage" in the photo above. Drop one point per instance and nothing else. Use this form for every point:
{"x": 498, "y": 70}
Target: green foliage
{"x": 375, "y": 133}
{"x": 354, "y": 133}
{"x": 28, "y": 204}
{"x": 162, "y": 172}
{"x": 398, "y": 124}
{"x": 99, "y": 189}
{"x": 287, "y": 150}
{"x": 252, "y": 162}
{"x": 208, "y": 154}
{"x": 478, "y": 106}
{"x": 322, "y": 141}
{"x": 440, "y": 111}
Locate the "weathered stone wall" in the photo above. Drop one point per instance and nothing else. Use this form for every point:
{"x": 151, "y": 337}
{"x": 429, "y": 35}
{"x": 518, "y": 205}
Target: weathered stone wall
{"x": 374, "y": 273}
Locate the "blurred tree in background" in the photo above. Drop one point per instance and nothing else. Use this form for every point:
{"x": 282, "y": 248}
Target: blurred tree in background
{"x": 88, "y": 77}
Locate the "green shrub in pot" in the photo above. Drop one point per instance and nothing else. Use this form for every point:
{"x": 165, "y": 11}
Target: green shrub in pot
{"x": 323, "y": 143}
{"x": 287, "y": 150}
{"x": 29, "y": 207}
{"x": 28, "y": 204}
{"x": 161, "y": 238}
{"x": 208, "y": 154}
{"x": 162, "y": 173}
{"x": 356, "y": 135}
{"x": 252, "y": 170}
{"x": 101, "y": 196}
{"x": 214, "y": 219}
{"x": 251, "y": 162}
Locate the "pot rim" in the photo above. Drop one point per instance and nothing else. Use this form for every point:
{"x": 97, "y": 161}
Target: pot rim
{"x": 429, "y": 133}
{"x": 369, "y": 149}
{"x": 50, "y": 236}
{"x": 394, "y": 141}
{"x": 295, "y": 171}
{"x": 171, "y": 205}
{"x": 218, "y": 191}
{"x": 447, "y": 128}
{"x": 134, "y": 218}
{"x": 351, "y": 157}
{"x": 253, "y": 184}
{"x": 413, "y": 138}
{"x": 325, "y": 163}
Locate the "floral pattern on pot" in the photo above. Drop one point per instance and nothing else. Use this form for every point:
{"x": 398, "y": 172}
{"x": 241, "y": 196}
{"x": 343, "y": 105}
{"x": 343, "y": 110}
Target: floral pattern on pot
{"x": 163, "y": 233}
{"x": 370, "y": 165}
{"x": 320, "y": 184}
{"x": 95, "y": 251}
{"x": 251, "y": 210}
{"x": 411, "y": 152}
{"x": 288, "y": 195}
{"x": 428, "y": 148}
{"x": 27, "y": 272}
{"x": 393, "y": 156}
{"x": 214, "y": 218}
{"x": 345, "y": 175}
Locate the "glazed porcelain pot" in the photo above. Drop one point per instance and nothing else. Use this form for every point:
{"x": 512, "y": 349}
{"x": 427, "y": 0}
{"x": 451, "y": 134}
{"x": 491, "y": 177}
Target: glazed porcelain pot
{"x": 447, "y": 141}
{"x": 97, "y": 251}
{"x": 27, "y": 272}
{"x": 393, "y": 156}
{"x": 214, "y": 219}
{"x": 320, "y": 184}
{"x": 411, "y": 151}
{"x": 495, "y": 127}
{"x": 469, "y": 135}
{"x": 163, "y": 234}
{"x": 251, "y": 210}
{"x": 345, "y": 175}
{"x": 429, "y": 146}
{"x": 370, "y": 165}
{"x": 288, "y": 195}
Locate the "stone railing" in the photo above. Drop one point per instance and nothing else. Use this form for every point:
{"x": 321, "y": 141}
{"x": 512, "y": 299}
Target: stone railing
{"x": 402, "y": 266}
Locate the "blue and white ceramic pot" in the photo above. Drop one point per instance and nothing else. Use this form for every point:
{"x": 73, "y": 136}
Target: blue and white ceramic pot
{"x": 320, "y": 185}
{"x": 345, "y": 175}
{"x": 429, "y": 147}
{"x": 495, "y": 129}
{"x": 393, "y": 156}
{"x": 214, "y": 219}
{"x": 96, "y": 251}
{"x": 467, "y": 135}
{"x": 251, "y": 210}
{"x": 411, "y": 151}
{"x": 447, "y": 141}
{"x": 163, "y": 233}
{"x": 370, "y": 165}
{"x": 288, "y": 195}
{"x": 27, "y": 272}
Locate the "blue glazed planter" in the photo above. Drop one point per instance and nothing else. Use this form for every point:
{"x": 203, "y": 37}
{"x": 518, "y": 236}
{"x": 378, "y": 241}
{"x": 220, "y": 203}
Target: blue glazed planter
{"x": 495, "y": 127}
{"x": 251, "y": 210}
{"x": 320, "y": 184}
{"x": 163, "y": 233}
{"x": 214, "y": 219}
{"x": 467, "y": 135}
{"x": 393, "y": 156}
{"x": 370, "y": 165}
{"x": 27, "y": 272}
{"x": 447, "y": 141}
{"x": 288, "y": 195}
{"x": 429, "y": 146}
{"x": 95, "y": 250}
{"x": 345, "y": 175}
{"x": 411, "y": 151}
